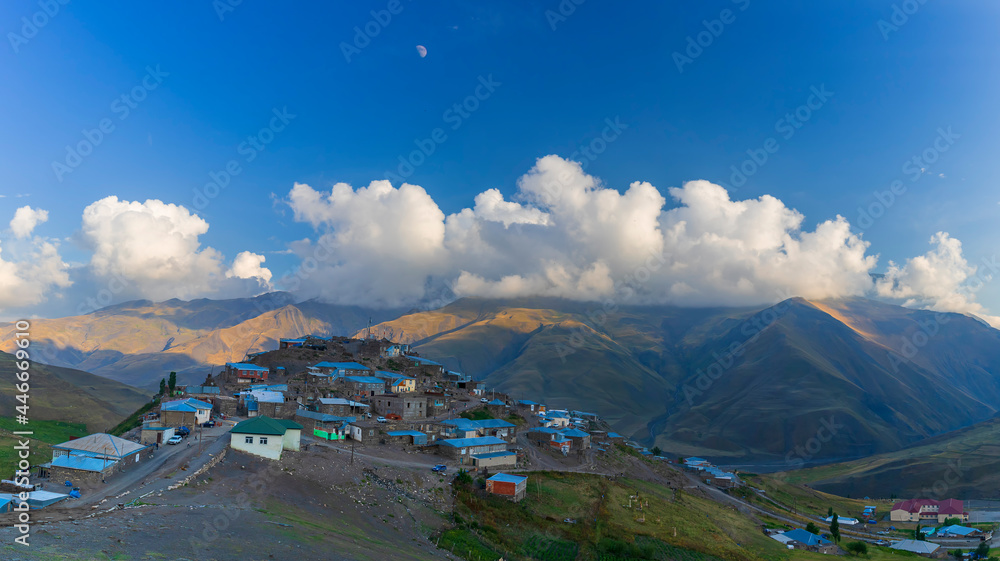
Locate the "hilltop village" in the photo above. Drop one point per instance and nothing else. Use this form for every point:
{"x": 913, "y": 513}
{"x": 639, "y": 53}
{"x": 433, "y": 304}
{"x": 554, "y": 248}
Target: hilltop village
{"x": 317, "y": 404}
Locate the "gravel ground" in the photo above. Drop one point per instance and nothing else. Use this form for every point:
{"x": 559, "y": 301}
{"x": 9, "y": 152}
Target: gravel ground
{"x": 310, "y": 505}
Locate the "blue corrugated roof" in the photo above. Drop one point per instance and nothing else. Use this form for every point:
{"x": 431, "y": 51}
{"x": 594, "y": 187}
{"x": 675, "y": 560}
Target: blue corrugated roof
{"x": 496, "y": 402}
{"x": 405, "y": 433}
{"x": 342, "y": 365}
{"x": 805, "y": 537}
{"x": 527, "y": 402}
{"x": 466, "y": 442}
{"x": 955, "y": 529}
{"x": 546, "y": 430}
{"x": 493, "y": 455}
{"x": 246, "y": 366}
{"x": 202, "y": 389}
{"x": 420, "y": 360}
{"x": 323, "y": 417}
{"x": 83, "y": 463}
{"x": 507, "y": 478}
{"x": 365, "y": 379}
{"x": 187, "y": 405}
{"x": 574, "y": 433}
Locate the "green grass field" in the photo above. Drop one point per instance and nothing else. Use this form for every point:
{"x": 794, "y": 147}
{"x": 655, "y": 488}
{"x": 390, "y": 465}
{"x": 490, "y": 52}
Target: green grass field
{"x": 806, "y": 500}
{"x": 568, "y": 516}
{"x": 46, "y": 433}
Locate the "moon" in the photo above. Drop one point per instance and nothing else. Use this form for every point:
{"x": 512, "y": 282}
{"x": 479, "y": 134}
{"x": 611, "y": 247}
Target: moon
{"x": 422, "y": 51}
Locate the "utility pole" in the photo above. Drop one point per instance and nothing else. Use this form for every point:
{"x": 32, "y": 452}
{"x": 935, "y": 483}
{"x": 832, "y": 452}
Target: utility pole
{"x": 352, "y": 451}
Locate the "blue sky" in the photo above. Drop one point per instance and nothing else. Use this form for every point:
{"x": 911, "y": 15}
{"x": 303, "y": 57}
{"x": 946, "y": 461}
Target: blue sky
{"x": 557, "y": 80}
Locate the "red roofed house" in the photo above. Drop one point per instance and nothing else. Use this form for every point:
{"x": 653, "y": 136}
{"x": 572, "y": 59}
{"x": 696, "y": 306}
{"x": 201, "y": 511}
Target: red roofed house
{"x": 928, "y": 510}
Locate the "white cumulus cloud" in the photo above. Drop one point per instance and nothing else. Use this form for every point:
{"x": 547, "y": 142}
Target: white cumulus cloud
{"x": 25, "y": 219}
{"x": 155, "y": 247}
{"x": 941, "y": 280}
{"x": 573, "y": 237}
{"x": 247, "y": 265}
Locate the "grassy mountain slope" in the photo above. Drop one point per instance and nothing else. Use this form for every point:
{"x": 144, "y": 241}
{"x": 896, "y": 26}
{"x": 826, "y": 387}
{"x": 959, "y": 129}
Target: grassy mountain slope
{"x": 64, "y": 394}
{"x": 962, "y": 463}
{"x": 139, "y": 342}
{"x": 798, "y": 367}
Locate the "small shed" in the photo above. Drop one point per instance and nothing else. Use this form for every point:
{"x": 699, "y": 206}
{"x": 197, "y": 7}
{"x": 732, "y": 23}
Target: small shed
{"x": 416, "y": 438}
{"x": 513, "y": 487}
{"x": 156, "y": 435}
{"x": 495, "y": 459}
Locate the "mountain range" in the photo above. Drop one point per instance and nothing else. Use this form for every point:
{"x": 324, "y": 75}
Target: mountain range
{"x": 780, "y": 387}
{"x": 792, "y": 384}
{"x": 140, "y": 342}
{"x": 65, "y": 394}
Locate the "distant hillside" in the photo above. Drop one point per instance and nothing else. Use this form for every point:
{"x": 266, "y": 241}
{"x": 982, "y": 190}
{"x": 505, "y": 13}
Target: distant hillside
{"x": 140, "y": 342}
{"x": 64, "y": 394}
{"x": 799, "y": 366}
{"x": 963, "y": 464}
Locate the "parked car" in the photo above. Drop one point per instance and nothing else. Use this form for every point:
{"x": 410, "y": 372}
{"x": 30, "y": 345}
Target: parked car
{"x": 483, "y": 400}
{"x": 182, "y": 432}
{"x": 175, "y": 439}
{"x": 209, "y": 424}
{"x": 440, "y": 468}
{"x": 382, "y": 420}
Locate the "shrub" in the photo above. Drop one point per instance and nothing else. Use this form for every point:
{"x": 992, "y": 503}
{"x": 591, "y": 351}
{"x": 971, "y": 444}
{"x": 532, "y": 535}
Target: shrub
{"x": 857, "y": 548}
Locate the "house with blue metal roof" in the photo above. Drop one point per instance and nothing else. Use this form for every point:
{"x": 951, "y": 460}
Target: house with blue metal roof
{"x": 413, "y": 437}
{"x": 363, "y": 385}
{"x": 324, "y": 425}
{"x": 394, "y": 350}
{"x": 202, "y": 390}
{"x": 513, "y": 487}
{"x": 462, "y": 449}
{"x": 531, "y": 406}
{"x": 35, "y": 500}
{"x": 329, "y": 372}
{"x": 341, "y": 406}
{"x": 423, "y": 361}
{"x": 957, "y": 531}
{"x": 291, "y": 343}
{"x": 462, "y": 427}
{"x": 90, "y": 460}
{"x": 801, "y": 539}
{"x": 186, "y": 412}
{"x": 246, "y": 373}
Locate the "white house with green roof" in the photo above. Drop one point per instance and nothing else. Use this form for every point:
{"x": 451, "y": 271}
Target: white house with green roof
{"x": 265, "y": 437}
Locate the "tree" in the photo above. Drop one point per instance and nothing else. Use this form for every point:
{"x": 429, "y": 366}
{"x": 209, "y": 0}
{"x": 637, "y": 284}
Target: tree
{"x": 983, "y": 551}
{"x": 829, "y": 511}
{"x": 163, "y": 386}
{"x": 812, "y": 528}
{"x": 835, "y": 528}
{"x": 917, "y": 534}
{"x": 656, "y": 450}
{"x": 952, "y": 521}
{"x": 957, "y": 554}
{"x": 172, "y": 381}
{"x": 857, "y": 548}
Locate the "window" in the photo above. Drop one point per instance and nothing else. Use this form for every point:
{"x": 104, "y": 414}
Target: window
{"x": 248, "y": 439}
{"x": 263, "y": 440}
